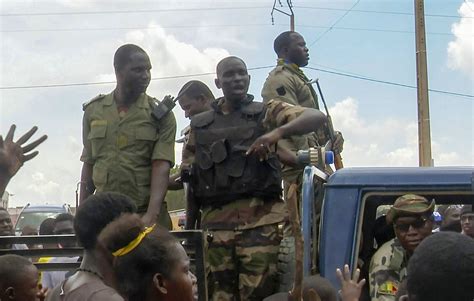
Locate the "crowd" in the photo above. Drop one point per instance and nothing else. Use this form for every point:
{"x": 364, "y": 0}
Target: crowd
{"x": 236, "y": 154}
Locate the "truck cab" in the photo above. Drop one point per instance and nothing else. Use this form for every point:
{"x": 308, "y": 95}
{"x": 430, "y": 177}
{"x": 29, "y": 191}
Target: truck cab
{"x": 355, "y": 196}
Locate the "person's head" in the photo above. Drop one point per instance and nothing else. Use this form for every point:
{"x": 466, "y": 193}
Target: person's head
{"x": 149, "y": 263}
{"x": 29, "y": 230}
{"x": 63, "y": 225}
{"x": 442, "y": 268}
{"x": 321, "y": 286}
{"x": 467, "y": 220}
{"x": 47, "y": 227}
{"x": 411, "y": 216}
{"x": 233, "y": 78}
{"x": 6, "y": 226}
{"x": 195, "y": 97}
{"x": 18, "y": 278}
{"x": 451, "y": 219}
{"x": 96, "y": 212}
{"x": 132, "y": 69}
{"x": 291, "y": 47}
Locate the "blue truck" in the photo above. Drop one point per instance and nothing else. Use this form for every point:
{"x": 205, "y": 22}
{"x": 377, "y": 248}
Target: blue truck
{"x": 353, "y": 197}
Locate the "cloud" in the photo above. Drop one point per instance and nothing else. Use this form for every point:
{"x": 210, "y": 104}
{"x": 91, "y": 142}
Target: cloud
{"x": 461, "y": 50}
{"x": 384, "y": 141}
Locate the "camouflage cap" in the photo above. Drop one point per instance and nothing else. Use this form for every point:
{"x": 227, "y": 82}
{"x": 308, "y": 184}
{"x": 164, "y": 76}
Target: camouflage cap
{"x": 408, "y": 205}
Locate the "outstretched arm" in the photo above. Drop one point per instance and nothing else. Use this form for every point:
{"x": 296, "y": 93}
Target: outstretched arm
{"x": 14, "y": 154}
{"x": 308, "y": 121}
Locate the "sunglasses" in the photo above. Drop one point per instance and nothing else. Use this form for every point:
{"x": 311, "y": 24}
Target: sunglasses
{"x": 416, "y": 224}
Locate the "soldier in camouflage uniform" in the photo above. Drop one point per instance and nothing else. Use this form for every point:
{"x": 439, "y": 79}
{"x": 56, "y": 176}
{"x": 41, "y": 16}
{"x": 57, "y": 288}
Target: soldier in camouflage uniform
{"x": 288, "y": 83}
{"x": 125, "y": 149}
{"x": 411, "y": 216}
{"x": 194, "y": 97}
{"x": 236, "y": 182}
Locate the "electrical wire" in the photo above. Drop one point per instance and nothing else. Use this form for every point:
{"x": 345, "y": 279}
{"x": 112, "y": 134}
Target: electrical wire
{"x": 335, "y": 23}
{"x": 388, "y": 82}
{"x": 339, "y": 73}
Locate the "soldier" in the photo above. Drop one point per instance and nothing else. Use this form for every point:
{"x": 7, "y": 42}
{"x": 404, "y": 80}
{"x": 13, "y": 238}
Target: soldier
{"x": 236, "y": 181}
{"x": 288, "y": 83}
{"x": 467, "y": 220}
{"x": 125, "y": 149}
{"x": 194, "y": 97}
{"x": 411, "y": 216}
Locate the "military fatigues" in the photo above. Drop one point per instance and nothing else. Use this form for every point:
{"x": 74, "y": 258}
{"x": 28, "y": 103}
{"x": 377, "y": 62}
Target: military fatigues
{"x": 244, "y": 250}
{"x": 388, "y": 268}
{"x": 288, "y": 83}
{"x": 122, "y": 146}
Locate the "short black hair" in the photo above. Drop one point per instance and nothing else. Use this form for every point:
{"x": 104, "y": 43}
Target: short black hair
{"x": 229, "y": 58}
{"x": 47, "y": 227}
{"x": 12, "y": 268}
{"x": 154, "y": 254}
{"x": 64, "y": 217}
{"x": 123, "y": 54}
{"x": 96, "y": 212}
{"x": 196, "y": 88}
{"x": 442, "y": 268}
{"x": 283, "y": 40}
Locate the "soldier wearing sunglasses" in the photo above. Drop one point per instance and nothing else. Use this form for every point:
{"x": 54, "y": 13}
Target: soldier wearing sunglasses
{"x": 411, "y": 217}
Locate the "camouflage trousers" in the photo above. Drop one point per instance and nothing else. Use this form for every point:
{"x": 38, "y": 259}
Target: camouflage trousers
{"x": 243, "y": 263}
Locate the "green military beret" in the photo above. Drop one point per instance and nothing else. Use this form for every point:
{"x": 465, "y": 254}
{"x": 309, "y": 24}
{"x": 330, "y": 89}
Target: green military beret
{"x": 409, "y": 205}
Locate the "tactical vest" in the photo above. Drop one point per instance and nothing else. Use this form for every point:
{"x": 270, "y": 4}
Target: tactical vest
{"x": 221, "y": 171}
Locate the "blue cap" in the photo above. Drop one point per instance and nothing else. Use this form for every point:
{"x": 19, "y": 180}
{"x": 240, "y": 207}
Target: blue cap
{"x": 329, "y": 157}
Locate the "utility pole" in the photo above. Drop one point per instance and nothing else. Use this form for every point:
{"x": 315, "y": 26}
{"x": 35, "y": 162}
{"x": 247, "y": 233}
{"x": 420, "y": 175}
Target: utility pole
{"x": 424, "y": 133}
{"x": 290, "y": 14}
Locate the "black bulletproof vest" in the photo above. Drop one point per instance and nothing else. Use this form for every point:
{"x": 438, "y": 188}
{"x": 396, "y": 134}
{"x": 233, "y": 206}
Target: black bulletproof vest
{"x": 221, "y": 170}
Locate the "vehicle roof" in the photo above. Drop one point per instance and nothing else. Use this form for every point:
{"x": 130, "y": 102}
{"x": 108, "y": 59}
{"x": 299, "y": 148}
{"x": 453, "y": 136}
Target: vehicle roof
{"x": 45, "y": 208}
{"x": 396, "y": 176}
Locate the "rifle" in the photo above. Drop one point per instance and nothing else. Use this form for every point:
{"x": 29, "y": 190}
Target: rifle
{"x": 337, "y": 157}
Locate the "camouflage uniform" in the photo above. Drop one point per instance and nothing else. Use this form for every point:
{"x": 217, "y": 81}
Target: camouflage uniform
{"x": 243, "y": 253}
{"x": 122, "y": 146}
{"x": 388, "y": 268}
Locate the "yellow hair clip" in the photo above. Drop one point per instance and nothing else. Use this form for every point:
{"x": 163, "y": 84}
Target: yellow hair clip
{"x": 134, "y": 243}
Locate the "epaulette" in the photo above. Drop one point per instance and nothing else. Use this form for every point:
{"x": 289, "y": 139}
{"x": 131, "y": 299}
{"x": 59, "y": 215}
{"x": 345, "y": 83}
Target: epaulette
{"x": 277, "y": 69}
{"x": 84, "y": 105}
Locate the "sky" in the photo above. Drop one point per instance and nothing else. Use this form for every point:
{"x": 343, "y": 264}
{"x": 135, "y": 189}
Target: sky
{"x": 56, "y": 55}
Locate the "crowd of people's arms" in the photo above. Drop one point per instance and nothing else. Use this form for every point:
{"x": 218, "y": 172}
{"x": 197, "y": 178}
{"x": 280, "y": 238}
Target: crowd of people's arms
{"x": 236, "y": 153}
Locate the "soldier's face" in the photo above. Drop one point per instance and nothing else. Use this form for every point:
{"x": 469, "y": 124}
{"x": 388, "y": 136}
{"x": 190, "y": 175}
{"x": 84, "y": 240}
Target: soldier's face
{"x": 6, "y": 227}
{"x": 192, "y": 106}
{"x": 233, "y": 79}
{"x": 411, "y": 231}
{"x": 298, "y": 53}
{"x": 135, "y": 76}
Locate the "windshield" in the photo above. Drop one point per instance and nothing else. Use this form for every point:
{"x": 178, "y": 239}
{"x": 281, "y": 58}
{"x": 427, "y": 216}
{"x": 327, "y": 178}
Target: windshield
{"x": 33, "y": 219}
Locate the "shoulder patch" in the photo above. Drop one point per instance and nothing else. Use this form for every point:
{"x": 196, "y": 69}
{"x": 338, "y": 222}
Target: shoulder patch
{"x": 84, "y": 105}
{"x": 281, "y": 90}
{"x": 388, "y": 288}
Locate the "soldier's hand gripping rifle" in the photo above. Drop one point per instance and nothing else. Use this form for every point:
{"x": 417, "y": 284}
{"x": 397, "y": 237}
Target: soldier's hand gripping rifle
{"x": 337, "y": 156}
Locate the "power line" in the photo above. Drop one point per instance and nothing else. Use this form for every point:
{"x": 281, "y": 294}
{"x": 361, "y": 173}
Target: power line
{"x": 215, "y": 9}
{"x": 339, "y": 73}
{"x": 130, "y": 11}
{"x": 388, "y": 82}
{"x": 381, "y": 12}
{"x": 335, "y": 23}
{"x": 113, "y": 82}
{"x": 216, "y": 25}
